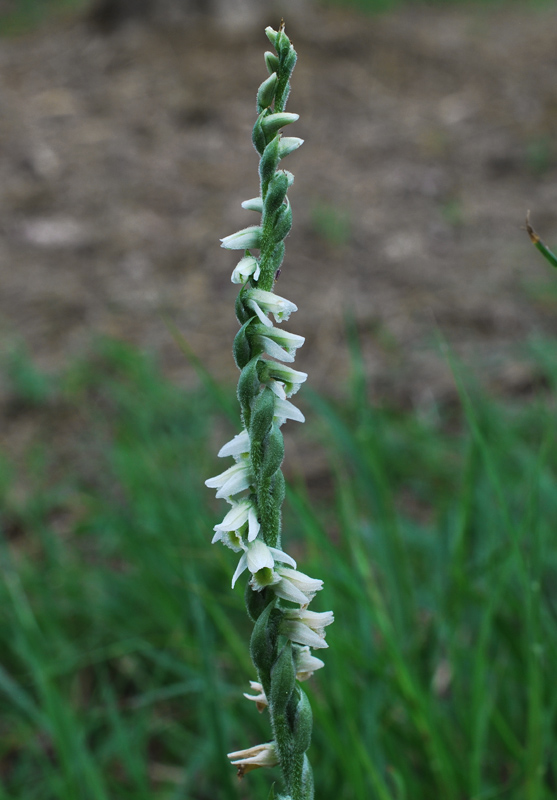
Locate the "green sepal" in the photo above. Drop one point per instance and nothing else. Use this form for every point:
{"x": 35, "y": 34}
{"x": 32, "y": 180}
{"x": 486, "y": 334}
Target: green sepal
{"x": 282, "y": 45}
{"x": 256, "y": 602}
{"x": 271, "y": 35}
{"x": 302, "y": 722}
{"x": 273, "y": 453}
{"x": 263, "y": 644}
{"x": 307, "y": 780}
{"x": 258, "y": 134}
{"x": 243, "y": 314}
{"x": 290, "y": 61}
{"x": 248, "y": 384}
{"x": 262, "y": 413}
{"x": 283, "y": 680}
{"x": 270, "y": 497}
{"x": 283, "y": 223}
{"x": 278, "y": 488}
{"x": 274, "y": 122}
{"x": 271, "y": 61}
{"x": 266, "y": 92}
{"x": 268, "y": 164}
{"x": 278, "y": 186}
{"x": 242, "y": 347}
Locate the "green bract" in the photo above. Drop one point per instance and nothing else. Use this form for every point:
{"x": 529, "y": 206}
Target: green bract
{"x": 254, "y": 485}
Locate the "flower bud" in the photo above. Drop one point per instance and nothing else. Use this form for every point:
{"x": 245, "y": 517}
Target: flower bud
{"x": 271, "y": 61}
{"x": 266, "y": 92}
{"x": 245, "y": 268}
{"x": 288, "y": 144}
{"x": 254, "y": 204}
{"x": 244, "y": 239}
{"x": 283, "y": 223}
{"x": 273, "y": 122}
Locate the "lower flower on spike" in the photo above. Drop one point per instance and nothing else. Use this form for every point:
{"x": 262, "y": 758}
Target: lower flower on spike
{"x": 260, "y": 699}
{"x": 261, "y": 755}
{"x": 306, "y": 664}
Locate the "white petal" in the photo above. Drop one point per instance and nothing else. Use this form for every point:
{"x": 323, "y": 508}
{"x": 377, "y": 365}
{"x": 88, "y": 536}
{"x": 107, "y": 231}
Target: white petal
{"x": 284, "y": 409}
{"x": 306, "y": 664}
{"x": 263, "y": 318}
{"x": 288, "y": 144}
{"x": 284, "y": 558}
{"x": 236, "y": 517}
{"x": 298, "y": 632}
{"x": 218, "y": 480}
{"x": 229, "y": 539}
{"x": 287, "y": 591}
{"x": 247, "y": 266}
{"x": 277, "y": 388}
{"x": 254, "y": 204}
{"x": 253, "y": 526}
{"x": 242, "y": 566}
{"x": 272, "y": 303}
{"x": 287, "y": 339}
{"x": 302, "y": 581}
{"x": 274, "y": 350}
{"x": 317, "y": 620}
{"x": 237, "y": 446}
{"x": 236, "y": 483}
{"x": 244, "y": 239}
{"x": 234, "y": 479}
{"x": 259, "y": 556}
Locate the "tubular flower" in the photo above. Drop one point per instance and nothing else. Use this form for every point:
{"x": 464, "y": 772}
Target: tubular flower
{"x": 245, "y": 268}
{"x": 233, "y": 480}
{"x": 262, "y": 755}
{"x": 238, "y": 446}
{"x": 260, "y": 559}
{"x": 306, "y": 627}
{"x": 260, "y": 699}
{"x": 241, "y": 514}
{"x": 270, "y": 303}
{"x": 306, "y": 664}
{"x": 296, "y": 587}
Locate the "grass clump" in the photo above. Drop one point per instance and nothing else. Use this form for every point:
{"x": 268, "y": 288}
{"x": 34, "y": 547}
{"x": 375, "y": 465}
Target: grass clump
{"x": 122, "y": 643}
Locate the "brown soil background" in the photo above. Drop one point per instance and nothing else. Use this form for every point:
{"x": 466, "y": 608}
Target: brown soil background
{"x": 428, "y": 134}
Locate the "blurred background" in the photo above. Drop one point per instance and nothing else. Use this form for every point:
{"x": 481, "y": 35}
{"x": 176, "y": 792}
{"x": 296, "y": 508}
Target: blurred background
{"x": 422, "y": 485}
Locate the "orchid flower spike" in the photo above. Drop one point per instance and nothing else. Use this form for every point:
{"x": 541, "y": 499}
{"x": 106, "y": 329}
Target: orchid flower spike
{"x": 277, "y": 593}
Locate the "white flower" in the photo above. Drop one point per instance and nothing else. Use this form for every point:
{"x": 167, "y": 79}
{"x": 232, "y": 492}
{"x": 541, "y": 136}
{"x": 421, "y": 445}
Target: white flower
{"x": 284, "y": 410}
{"x": 279, "y": 344}
{"x": 244, "y": 239}
{"x": 273, "y": 349}
{"x": 270, "y": 303}
{"x": 285, "y": 339}
{"x": 260, "y": 559}
{"x": 306, "y": 664}
{"x": 277, "y": 388}
{"x": 254, "y": 204}
{"x": 296, "y": 587}
{"x": 231, "y": 539}
{"x": 240, "y": 514}
{"x": 288, "y": 144}
{"x": 237, "y": 446}
{"x": 244, "y": 269}
{"x": 233, "y": 480}
{"x": 291, "y": 378}
{"x": 306, "y": 627}
{"x": 260, "y": 698}
{"x": 273, "y": 122}
{"x": 262, "y": 755}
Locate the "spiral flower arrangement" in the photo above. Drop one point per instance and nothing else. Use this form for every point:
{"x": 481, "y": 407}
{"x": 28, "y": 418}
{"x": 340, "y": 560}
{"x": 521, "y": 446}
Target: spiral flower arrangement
{"x": 277, "y": 594}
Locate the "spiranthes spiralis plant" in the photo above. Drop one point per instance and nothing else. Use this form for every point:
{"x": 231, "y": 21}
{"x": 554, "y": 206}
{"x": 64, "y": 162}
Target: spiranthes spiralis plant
{"x": 277, "y": 594}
